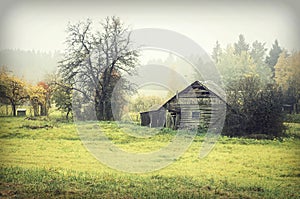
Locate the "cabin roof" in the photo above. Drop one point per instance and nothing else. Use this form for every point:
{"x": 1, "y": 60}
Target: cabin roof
{"x": 153, "y": 110}
{"x": 213, "y": 89}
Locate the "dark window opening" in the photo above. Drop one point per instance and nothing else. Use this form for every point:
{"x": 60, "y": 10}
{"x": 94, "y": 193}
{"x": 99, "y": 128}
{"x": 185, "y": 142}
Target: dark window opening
{"x": 195, "y": 115}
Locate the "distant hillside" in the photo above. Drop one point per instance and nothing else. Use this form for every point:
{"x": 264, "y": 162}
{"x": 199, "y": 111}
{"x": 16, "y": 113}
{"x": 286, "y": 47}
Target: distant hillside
{"x": 30, "y": 65}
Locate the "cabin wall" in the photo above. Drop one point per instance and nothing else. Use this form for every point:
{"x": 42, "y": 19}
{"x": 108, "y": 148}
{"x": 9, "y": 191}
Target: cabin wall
{"x": 145, "y": 119}
{"x": 195, "y": 105}
{"x": 157, "y": 118}
{"x": 154, "y": 118}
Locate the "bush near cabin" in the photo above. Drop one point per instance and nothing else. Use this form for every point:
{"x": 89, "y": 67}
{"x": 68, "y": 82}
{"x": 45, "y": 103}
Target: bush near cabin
{"x": 254, "y": 111}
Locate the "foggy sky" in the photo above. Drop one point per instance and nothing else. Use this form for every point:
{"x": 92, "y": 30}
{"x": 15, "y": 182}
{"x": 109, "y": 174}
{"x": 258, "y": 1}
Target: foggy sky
{"x": 40, "y": 25}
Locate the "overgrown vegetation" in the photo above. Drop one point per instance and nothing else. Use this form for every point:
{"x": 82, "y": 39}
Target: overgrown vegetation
{"x": 258, "y": 86}
{"x": 254, "y": 111}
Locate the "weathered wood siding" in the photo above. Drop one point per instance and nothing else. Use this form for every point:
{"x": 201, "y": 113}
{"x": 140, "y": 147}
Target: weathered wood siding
{"x": 154, "y": 118}
{"x": 145, "y": 119}
{"x": 194, "y": 103}
{"x": 191, "y": 108}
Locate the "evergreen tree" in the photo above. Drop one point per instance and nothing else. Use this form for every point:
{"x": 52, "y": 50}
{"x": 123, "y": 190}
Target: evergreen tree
{"x": 217, "y": 51}
{"x": 241, "y": 45}
{"x": 257, "y": 54}
{"x": 271, "y": 59}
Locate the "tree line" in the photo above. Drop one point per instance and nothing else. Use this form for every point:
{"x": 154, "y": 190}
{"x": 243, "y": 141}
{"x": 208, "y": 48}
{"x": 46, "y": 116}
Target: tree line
{"x": 261, "y": 86}
{"x": 23, "y": 62}
{"x": 15, "y": 92}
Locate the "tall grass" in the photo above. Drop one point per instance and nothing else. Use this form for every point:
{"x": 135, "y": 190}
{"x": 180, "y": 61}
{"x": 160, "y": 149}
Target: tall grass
{"x": 45, "y": 158}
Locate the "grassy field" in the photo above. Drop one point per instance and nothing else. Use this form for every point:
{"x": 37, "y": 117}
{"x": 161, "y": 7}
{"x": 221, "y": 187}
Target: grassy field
{"x": 45, "y": 158}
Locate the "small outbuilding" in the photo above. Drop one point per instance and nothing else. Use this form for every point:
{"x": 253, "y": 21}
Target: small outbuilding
{"x": 21, "y": 112}
{"x": 189, "y": 108}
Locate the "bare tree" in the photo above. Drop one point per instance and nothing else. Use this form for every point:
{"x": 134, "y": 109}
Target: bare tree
{"x": 95, "y": 60}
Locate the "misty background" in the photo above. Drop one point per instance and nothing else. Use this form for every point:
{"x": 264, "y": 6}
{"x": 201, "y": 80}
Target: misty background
{"x": 33, "y": 32}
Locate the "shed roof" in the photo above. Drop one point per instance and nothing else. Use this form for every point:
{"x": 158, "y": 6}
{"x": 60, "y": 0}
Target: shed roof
{"x": 21, "y": 109}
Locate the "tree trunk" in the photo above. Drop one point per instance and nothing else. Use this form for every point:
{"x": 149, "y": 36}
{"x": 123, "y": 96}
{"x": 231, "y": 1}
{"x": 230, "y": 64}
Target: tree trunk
{"x": 14, "y": 109}
{"x": 67, "y": 116}
{"x": 104, "y": 110}
{"x": 98, "y": 105}
{"x": 108, "y": 110}
{"x": 43, "y": 110}
{"x": 35, "y": 110}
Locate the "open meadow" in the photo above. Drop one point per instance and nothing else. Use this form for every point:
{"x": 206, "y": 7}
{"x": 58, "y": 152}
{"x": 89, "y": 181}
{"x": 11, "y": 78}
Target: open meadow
{"x": 45, "y": 158}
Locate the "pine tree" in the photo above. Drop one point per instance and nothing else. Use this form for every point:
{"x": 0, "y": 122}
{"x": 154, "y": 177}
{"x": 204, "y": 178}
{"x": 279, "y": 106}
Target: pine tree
{"x": 241, "y": 45}
{"x": 217, "y": 51}
{"x": 272, "y": 59}
{"x": 258, "y": 52}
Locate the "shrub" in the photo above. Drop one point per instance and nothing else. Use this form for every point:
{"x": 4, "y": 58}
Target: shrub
{"x": 254, "y": 110}
{"x": 292, "y": 118}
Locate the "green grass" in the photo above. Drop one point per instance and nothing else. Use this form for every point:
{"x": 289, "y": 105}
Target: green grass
{"x": 45, "y": 158}
{"x": 292, "y": 118}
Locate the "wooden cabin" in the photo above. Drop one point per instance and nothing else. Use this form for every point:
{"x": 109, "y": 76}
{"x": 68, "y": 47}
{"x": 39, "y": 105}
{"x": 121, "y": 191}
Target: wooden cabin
{"x": 191, "y": 108}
